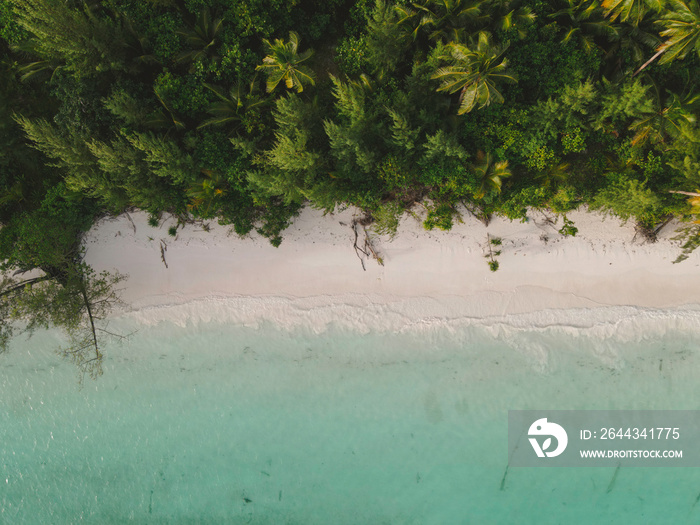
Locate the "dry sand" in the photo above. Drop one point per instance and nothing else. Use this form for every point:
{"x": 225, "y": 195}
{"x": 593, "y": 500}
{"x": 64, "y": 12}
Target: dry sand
{"x": 316, "y": 277}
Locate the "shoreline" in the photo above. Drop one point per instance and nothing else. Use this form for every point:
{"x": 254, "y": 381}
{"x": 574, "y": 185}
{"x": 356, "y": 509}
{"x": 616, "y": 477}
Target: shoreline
{"x": 214, "y": 275}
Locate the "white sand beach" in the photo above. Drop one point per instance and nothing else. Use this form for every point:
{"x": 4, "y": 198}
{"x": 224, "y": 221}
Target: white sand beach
{"x": 316, "y": 277}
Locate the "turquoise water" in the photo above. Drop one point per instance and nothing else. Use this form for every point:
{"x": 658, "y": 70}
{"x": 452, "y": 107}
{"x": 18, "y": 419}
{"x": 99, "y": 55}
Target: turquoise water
{"x": 226, "y": 424}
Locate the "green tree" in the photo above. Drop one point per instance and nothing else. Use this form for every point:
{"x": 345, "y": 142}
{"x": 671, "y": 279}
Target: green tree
{"x": 200, "y": 39}
{"x": 508, "y": 15}
{"x": 633, "y": 39}
{"x": 206, "y": 194}
{"x": 239, "y": 106}
{"x": 443, "y": 20}
{"x": 584, "y": 20}
{"x": 284, "y": 62}
{"x": 62, "y": 292}
{"x": 385, "y": 39}
{"x": 78, "y": 37}
{"x": 489, "y": 175}
{"x": 632, "y": 11}
{"x": 681, "y": 29}
{"x": 666, "y": 121}
{"x": 77, "y": 304}
{"x": 473, "y": 72}
{"x": 293, "y": 165}
{"x": 627, "y": 197}
{"x": 354, "y": 136}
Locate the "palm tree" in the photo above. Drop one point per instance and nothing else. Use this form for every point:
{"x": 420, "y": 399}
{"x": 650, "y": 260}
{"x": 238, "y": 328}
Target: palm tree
{"x": 489, "y": 175}
{"x": 670, "y": 120}
{"x": 554, "y": 174}
{"x": 284, "y": 63}
{"x": 586, "y": 20}
{"x": 138, "y": 49}
{"x": 164, "y": 118}
{"x": 36, "y": 70}
{"x": 234, "y": 105}
{"x": 504, "y": 15}
{"x": 200, "y": 38}
{"x": 632, "y": 11}
{"x": 474, "y": 71}
{"x": 446, "y": 20}
{"x": 635, "y": 39}
{"x": 682, "y": 30}
{"x": 206, "y": 192}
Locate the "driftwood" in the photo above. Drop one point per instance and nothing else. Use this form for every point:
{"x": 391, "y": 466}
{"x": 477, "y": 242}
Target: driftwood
{"x": 359, "y": 250}
{"x": 130, "y": 220}
{"x": 689, "y": 193}
{"x": 664, "y": 223}
{"x": 163, "y": 249}
{"x": 370, "y": 247}
{"x": 477, "y": 213}
{"x": 650, "y": 234}
{"x": 367, "y": 248}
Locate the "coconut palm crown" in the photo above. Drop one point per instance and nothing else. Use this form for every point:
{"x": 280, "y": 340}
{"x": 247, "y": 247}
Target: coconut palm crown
{"x": 473, "y": 71}
{"x": 283, "y": 62}
{"x": 681, "y": 29}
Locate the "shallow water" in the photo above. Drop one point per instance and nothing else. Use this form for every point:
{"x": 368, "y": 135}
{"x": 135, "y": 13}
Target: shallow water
{"x": 219, "y": 423}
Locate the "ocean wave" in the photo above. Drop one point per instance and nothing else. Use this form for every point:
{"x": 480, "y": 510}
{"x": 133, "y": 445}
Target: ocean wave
{"x": 366, "y": 314}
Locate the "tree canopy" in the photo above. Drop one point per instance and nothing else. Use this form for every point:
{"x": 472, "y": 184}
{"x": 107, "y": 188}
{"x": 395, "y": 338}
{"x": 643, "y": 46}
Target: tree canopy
{"x": 247, "y": 110}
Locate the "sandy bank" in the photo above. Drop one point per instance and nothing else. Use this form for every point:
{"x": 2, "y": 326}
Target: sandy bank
{"x": 425, "y": 274}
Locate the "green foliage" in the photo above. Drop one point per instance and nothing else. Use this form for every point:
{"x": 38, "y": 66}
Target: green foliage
{"x": 275, "y": 219}
{"x": 541, "y": 159}
{"x": 46, "y": 237}
{"x": 291, "y": 168}
{"x": 516, "y": 205}
{"x": 200, "y": 39}
{"x": 564, "y": 200}
{"x": 489, "y": 175}
{"x": 620, "y": 104}
{"x": 543, "y": 64}
{"x": 493, "y": 242}
{"x": 122, "y": 104}
{"x": 474, "y": 72}
{"x": 164, "y": 158}
{"x": 394, "y": 175}
{"x": 631, "y": 10}
{"x": 691, "y": 242}
{"x": 573, "y": 141}
{"x": 385, "y": 39}
{"x": 184, "y": 95}
{"x": 568, "y": 229}
{"x": 681, "y": 25}
{"x": 238, "y": 109}
{"x": 284, "y": 62}
{"x": 352, "y": 55}
{"x": 10, "y": 30}
{"x": 440, "y": 216}
{"x": 386, "y": 218}
{"x": 441, "y": 148}
{"x": 76, "y": 36}
{"x": 627, "y": 198}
